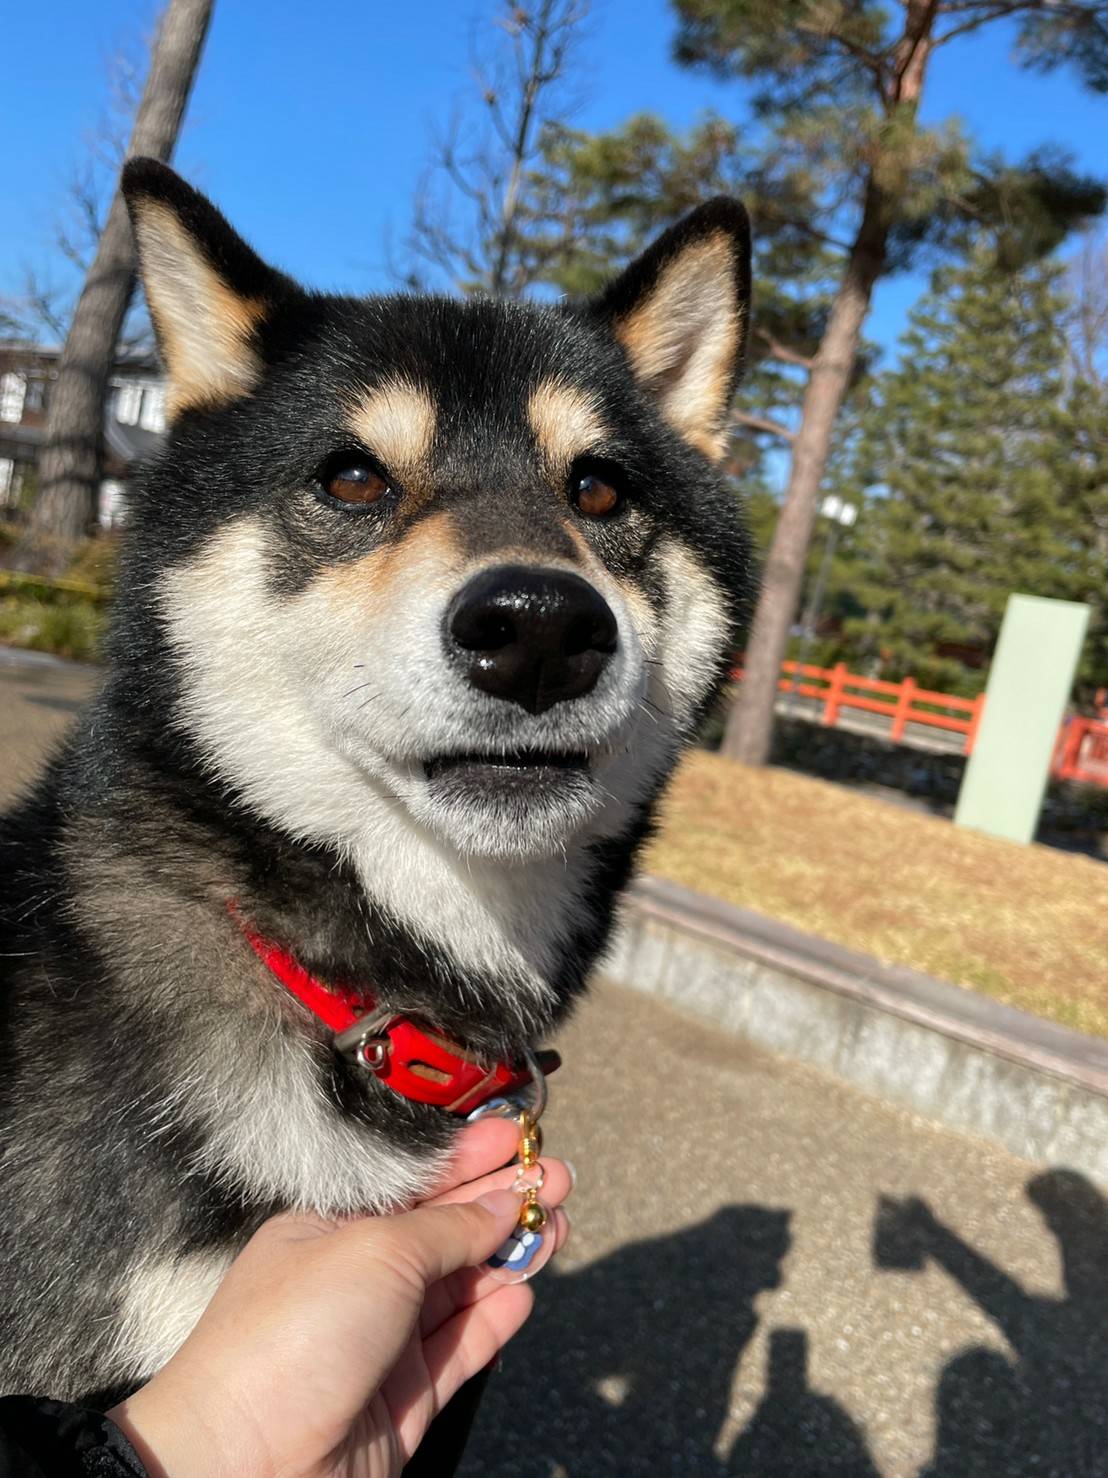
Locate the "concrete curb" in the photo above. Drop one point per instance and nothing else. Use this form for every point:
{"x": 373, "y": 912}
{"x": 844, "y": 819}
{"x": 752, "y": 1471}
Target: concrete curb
{"x": 24, "y": 657}
{"x": 962, "y": 1059}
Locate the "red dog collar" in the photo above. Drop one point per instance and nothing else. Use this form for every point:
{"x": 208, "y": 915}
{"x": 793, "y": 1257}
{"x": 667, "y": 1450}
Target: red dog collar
{"x": 418, "y": 1064}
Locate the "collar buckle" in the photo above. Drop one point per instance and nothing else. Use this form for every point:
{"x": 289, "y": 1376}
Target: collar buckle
{"x": 367, "y": 1043}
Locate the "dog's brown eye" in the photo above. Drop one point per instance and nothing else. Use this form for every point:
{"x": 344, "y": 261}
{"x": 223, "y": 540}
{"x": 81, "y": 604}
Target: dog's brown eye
{"x": 594, "y": 497}
{"x": 355, "y": 482}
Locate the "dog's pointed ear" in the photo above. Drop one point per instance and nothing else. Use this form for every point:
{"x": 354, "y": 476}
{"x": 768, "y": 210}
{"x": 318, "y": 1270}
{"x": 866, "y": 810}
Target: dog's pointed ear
{"x": 209, "y": 294}
{"x": 680, "y": 312}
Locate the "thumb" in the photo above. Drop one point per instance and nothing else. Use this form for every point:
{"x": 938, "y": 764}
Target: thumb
{"x": 438, "y": 1240}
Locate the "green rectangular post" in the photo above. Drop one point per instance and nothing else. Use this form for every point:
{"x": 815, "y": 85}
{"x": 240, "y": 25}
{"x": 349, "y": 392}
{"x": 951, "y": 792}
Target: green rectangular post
{"x": 1029, "y": 687}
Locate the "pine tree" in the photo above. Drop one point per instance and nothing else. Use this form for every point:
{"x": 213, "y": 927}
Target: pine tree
{"x": 595, "y": 200}
{"x": 837, "y": 93}
{"x": 970, "y": 441}
{"x": 1085, "y": 479}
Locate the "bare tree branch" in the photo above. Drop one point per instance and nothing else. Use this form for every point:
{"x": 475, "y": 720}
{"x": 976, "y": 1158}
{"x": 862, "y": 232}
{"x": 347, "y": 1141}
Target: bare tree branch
{"x": 775, "y": 349}
{"x": 83, "y": 211}
{"x": 874, "y": 62}
{"x": 762, "y": 423}
{"x": 521, "y": 86}
{"x": 767, "y": 209}
{"x": 980, "y": 13}
{"x": 983, "y": 17}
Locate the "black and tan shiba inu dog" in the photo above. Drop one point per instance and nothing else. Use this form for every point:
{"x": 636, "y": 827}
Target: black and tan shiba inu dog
{"x": 419, "y": 604}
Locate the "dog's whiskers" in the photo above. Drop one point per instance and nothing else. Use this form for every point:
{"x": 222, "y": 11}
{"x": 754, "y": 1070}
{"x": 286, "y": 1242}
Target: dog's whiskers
{"x": 659, "y": 710}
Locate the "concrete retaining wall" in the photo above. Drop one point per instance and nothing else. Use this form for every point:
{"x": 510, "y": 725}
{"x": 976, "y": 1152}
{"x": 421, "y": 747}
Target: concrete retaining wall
{"x": 961, "y": 1059}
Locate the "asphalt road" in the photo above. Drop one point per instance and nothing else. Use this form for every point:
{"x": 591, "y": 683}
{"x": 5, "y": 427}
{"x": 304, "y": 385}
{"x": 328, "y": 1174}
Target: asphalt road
{"x": 771, "y": 1273}
{"x": 38, "y": 699}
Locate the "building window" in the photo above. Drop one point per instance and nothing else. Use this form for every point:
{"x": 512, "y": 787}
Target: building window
{"x": 152, "y": 415}
{"x": 35, "y": 398}
{"x": 128, "y": 403}
{"x": 17, "y": 482}
{"x": 142, "y": 405}
{"x": 13, "y": 390}
{"x": 111, "y": 512}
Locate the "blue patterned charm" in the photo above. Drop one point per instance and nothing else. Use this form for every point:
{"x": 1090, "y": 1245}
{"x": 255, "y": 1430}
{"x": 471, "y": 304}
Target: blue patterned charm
{"x": 518, "y": 1252}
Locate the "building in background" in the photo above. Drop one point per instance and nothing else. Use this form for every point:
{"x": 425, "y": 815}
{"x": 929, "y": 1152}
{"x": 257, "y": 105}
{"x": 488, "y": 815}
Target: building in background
{"x": 134, "y": 425}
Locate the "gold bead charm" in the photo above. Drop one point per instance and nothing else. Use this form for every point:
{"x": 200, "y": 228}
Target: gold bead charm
{"x": 530, "y": 1245}
{"x": 532, "y": 1216}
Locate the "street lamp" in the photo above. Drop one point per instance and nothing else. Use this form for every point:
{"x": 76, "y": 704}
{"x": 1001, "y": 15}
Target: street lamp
{"x": 842, "y": 515}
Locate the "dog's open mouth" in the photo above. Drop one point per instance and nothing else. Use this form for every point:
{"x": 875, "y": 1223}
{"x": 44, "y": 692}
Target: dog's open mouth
{"x": 525, "y": 770}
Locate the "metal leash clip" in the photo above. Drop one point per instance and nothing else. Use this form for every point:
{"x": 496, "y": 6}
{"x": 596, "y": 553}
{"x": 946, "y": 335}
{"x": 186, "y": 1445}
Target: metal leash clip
{"x": 515, "y": 1105}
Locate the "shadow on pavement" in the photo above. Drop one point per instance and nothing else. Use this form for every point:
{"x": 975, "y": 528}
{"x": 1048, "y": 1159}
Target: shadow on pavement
{"x": 796, "y": 1431}
{"x": 1046, "y": 1411}
{"x": 626, "y": 1367}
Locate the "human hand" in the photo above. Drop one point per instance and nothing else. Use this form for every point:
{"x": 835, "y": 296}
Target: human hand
{"x": 329, "y": 1347}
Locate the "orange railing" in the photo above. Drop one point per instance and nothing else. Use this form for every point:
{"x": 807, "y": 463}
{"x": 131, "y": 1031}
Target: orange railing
{"x": 1082, "y": 752}
{"x": 902, "y": 703}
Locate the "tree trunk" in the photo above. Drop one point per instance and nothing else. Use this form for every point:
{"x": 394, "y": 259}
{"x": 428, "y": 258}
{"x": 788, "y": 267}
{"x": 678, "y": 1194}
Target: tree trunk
{"x": 749, "y": 730}
{"x": 750, "y": 722}
{"x": 69, "y": 463}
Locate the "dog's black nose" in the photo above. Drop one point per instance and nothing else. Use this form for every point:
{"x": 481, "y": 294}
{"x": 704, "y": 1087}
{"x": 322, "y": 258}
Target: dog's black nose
{"x": 531, "y": 636}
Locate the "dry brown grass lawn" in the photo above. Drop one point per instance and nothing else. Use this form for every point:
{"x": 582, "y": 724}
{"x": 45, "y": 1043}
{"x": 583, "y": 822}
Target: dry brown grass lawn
{"x": 1027, "y": 925}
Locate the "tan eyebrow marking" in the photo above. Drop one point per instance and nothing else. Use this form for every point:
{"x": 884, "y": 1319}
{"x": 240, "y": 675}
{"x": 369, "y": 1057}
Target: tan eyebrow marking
{"x": 566, "y": 422}
{"x": 397, "y": 421}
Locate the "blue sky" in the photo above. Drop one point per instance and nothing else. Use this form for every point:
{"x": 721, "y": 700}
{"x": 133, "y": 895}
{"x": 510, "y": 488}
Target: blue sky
{"x": 310, "y": 124}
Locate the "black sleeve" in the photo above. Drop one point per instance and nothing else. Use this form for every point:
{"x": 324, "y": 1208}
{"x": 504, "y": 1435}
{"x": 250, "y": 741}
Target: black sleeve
{"x": 50, "y": 1439}
{"x": 444, "y": 1442}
